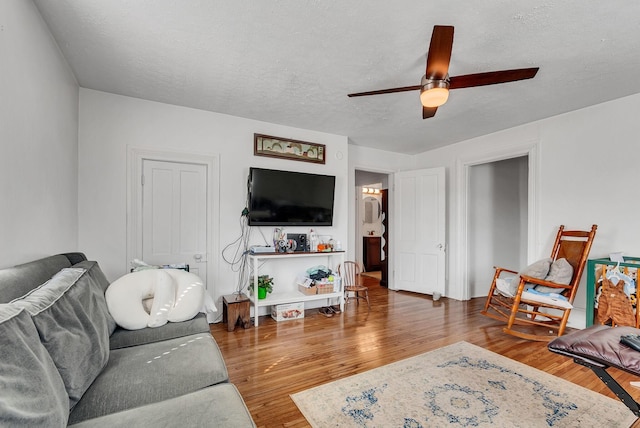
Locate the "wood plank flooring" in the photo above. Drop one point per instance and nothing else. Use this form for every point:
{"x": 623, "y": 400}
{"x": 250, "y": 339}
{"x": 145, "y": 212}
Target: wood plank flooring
{"x": 274, "y": 360}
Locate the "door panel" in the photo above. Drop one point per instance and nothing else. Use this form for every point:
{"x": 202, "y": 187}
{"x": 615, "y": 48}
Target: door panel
{"x": 420, "y": 212}
{"x": 174, "y": 217}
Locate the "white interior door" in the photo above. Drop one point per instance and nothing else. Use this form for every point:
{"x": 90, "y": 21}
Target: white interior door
{"x": 419, "y": 230}
{"x": 174, "y": 214}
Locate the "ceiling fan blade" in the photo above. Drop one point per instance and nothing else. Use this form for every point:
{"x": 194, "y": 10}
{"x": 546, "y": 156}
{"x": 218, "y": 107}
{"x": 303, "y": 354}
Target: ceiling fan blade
{"x": 491, "y": 77}
{"x": 428, "y": 112}
{"x": 439, "y": 52}
{"x": 386, "y": 91}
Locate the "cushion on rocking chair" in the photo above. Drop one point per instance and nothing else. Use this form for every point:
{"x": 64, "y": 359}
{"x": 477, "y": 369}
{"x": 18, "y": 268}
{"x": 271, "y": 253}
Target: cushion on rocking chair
{"x": 539, "y": 269}
{"x": 560, "y": 272}
{"x": 509, "y": 286}
{"x": 547, "y": 298}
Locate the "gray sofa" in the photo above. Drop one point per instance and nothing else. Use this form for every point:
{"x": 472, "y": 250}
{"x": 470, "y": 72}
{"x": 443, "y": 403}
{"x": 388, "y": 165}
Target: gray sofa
{"x": 63, "y": 360}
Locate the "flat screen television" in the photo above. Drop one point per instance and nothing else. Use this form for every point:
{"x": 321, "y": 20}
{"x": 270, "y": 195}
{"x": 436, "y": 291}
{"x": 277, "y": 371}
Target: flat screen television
{"x": 285, "y": 198}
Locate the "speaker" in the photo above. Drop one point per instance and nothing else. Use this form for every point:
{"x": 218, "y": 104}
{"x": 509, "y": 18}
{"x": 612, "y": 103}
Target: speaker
{"x": 301, "y": 241}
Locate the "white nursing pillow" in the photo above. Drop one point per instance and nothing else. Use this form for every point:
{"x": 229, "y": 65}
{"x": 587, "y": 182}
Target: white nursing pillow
{"x": 189, "y": 296}
{"x": 175, "y": 295}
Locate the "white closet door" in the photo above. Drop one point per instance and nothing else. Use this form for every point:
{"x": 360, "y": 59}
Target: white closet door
{"x": 174, "y": 214}
{"x": 419, "y": 262}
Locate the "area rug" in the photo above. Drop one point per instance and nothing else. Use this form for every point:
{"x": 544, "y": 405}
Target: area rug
{"x": 458, "y": 385}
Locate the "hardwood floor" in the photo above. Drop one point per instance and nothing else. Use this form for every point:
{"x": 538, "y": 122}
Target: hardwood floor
{"x": 274, "y": 360}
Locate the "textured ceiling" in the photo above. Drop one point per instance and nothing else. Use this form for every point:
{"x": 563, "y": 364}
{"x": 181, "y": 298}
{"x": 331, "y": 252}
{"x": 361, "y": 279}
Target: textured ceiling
{"x": 292, "y": 62}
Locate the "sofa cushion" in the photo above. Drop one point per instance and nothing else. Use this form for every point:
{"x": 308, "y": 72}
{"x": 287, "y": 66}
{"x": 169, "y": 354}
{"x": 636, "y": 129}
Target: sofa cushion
{"x": 19, "y": 280}
{"x": 140, "y": 375}
{"x": 220, "y": 406}
{"x": 122, "y": 338}
{"x": 70, "y": 314}
{"x": 32, "y": 392}
{"x": 94, "y": 271}
{"x": 98, "y": 279}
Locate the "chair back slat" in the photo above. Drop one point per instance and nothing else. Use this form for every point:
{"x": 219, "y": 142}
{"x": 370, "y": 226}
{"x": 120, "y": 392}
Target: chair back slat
{"x": 572, "y": 251}
{"x": 349, "y": 272}
{"x": 574, "y": 246}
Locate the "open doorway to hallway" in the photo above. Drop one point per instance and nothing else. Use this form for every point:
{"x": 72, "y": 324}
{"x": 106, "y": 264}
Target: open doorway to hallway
{"x": 372, "y": 223}
{"x": 497, "y": 220}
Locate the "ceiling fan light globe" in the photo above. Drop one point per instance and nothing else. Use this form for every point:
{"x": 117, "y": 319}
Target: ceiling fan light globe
{"x": 434, "y": 97}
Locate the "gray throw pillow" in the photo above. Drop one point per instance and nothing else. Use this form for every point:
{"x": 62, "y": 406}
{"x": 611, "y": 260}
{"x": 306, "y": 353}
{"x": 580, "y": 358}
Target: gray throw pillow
{"x": 32, "y": 392}
{"x": 538, "y": 270}
{"x": 95, "y": 272}
{"x": 561, "y": 272}
{"x": 73, "y": 326}
{"x": 98, "y": 280}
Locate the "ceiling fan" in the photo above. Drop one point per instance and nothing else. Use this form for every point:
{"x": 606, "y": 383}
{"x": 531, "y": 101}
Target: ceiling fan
{"x": 435, "y": 84}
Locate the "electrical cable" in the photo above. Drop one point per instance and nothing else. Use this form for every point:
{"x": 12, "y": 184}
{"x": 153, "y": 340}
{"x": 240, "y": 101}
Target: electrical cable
{"x": 240, "y": 249}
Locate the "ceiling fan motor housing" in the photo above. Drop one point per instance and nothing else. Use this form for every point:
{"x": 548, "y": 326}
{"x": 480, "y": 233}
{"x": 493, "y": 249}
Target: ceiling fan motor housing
{"x": 427, "y": 83}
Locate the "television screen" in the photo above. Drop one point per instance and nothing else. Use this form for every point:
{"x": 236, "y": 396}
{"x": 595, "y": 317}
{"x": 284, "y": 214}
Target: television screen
{"x": 284, "y": 198}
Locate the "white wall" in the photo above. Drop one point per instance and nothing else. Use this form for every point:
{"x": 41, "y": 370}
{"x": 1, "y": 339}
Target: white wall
{"x": 587, "y": 162}
{"x": 109, "y": 124}
{"x": 38, "y": 136}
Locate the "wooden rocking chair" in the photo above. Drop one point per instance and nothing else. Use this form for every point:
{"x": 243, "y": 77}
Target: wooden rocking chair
{"x": 528, "y": 308}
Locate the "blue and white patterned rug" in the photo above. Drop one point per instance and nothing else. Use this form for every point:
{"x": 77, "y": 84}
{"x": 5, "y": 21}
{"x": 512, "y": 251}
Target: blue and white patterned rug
{"x": 458, "y": 385}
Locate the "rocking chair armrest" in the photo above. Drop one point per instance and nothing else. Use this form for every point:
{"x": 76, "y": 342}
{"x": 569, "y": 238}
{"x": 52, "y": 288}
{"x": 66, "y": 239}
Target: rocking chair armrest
{"x": 538, "y": 281}
{"x": 499, "y": 270}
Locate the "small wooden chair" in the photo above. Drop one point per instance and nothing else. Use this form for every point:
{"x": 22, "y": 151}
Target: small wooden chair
{"x": 526, "y": 308}
{"x": 352, "y": 283}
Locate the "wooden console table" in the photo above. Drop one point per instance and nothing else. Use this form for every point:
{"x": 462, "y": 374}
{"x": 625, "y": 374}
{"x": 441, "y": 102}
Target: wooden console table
{"x": 290, "y": 293}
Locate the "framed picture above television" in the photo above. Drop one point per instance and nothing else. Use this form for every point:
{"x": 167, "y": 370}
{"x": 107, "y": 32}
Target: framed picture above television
{"x": 284, "y": 148}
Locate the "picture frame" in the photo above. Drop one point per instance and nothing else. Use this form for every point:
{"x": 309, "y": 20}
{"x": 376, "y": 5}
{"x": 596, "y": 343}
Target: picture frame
{"x": 286, "y": 148}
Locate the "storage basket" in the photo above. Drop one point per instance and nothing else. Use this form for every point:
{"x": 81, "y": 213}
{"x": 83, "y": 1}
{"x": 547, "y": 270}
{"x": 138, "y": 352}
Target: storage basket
{"x": 325, "y": 288}
{"x": 308, "y": 291}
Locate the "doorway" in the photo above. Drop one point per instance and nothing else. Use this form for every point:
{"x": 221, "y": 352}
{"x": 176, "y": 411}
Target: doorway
{"x": 497, "y": 220}
{"x": 174, "y": 214}
{"x": 173, "y": 200}
{"x": 372, "y": 228}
